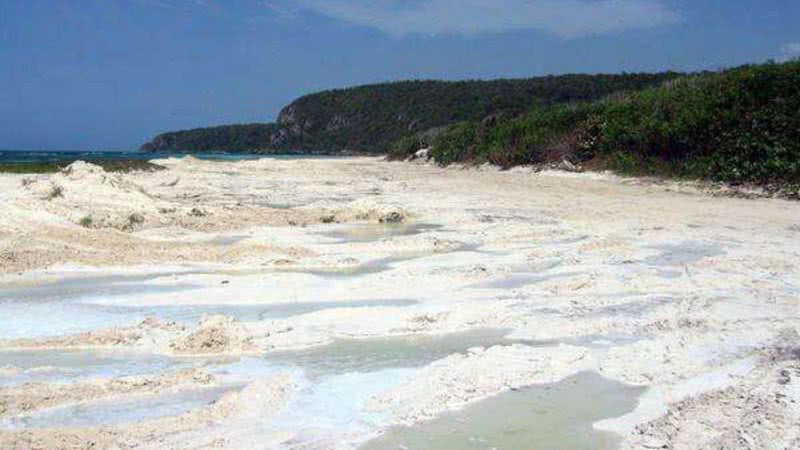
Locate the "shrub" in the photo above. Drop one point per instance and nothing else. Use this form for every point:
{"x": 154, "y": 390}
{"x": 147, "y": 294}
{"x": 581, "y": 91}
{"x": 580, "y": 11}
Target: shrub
{"x": 740, "y": 125}
{"x": 405, "y": 148}
{"x": 86, "y": 222}
{"x": 54, "y": 192}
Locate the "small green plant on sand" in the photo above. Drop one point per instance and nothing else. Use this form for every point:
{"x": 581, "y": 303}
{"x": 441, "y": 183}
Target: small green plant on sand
{"x": 86, "y": 222}
{"x": 54, "y": 192}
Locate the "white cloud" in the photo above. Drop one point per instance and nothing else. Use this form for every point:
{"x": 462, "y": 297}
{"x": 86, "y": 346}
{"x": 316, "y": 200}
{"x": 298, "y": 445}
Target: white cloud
{"x": 790, "y": 51}
{"x": 566, "y": 18}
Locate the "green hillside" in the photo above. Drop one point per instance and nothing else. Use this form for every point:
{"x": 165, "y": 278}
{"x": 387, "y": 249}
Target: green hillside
{"x": 739, "y": 125}
{"x": 369, "y": 119}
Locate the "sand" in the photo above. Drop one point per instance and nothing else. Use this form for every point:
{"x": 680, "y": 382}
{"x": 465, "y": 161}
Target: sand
{"x": 692, "y": 295}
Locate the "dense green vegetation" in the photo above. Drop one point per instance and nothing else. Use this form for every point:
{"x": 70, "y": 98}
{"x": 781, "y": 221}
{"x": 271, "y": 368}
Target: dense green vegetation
{"x": 247, "y": 137}
{"x": 740, "y": 125}
{"x": 371, "y": 118}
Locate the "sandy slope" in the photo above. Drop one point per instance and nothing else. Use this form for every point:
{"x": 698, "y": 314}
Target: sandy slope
{"x": 696, "y": 297}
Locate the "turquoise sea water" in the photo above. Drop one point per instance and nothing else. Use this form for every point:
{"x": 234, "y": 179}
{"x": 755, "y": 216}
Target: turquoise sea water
{"x": 19, "y": 156}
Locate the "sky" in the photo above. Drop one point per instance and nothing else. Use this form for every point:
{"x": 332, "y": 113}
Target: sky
{"x": 110, "y": 74}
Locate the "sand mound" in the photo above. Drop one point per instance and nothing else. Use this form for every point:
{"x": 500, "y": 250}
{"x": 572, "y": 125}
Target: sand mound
{"x": 85, "y": 194}
{"x": 215, "y": 334}
{"x": 761, "y": 412}
{"x": 150, "y": 334}
{"x": 369, "y": 210}
{"x": 258, "y": 399}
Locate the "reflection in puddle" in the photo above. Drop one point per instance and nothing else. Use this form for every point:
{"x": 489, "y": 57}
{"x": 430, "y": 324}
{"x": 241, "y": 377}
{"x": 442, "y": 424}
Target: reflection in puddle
{"x": 116, "y": 411}
{"x": 544, "y": 417}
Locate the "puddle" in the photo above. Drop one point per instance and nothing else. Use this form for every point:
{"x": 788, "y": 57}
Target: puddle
{"x": 341, "y": 377}
{"x": 331, "y": 410}
{"x": 519, "y": 280}
{"x": 669, "y": 274}
{"x": 383, "y": 264}
{"x": 251, "y": 312}
{"x": 66, "y": 365}
{"x": 373, "y": 354}
{"x": 600, "y": 341}
{"x": 543, "y": 417}
{"x": 70, "y": 288}
{"x": 34, "y": 320}
{"x": 277, "y": 205}
{"x": 227, "y": 241}
{"x": 377, "y": 232}
{"x": 634, "y": 309}
{"x": 683, "y": 253}
{"x": 373, "y": 266}
{"x": 370, "y": 267}
{"x": 117, "y": 411}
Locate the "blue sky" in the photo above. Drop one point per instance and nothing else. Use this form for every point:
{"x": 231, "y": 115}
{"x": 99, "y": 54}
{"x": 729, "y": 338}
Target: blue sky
{"x": 109, "y": 74}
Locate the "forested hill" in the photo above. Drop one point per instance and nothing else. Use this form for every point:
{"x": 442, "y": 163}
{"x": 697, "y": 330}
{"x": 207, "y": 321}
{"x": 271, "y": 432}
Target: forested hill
{"x": 371, "y": 118}
{"x": 740, "y": 126}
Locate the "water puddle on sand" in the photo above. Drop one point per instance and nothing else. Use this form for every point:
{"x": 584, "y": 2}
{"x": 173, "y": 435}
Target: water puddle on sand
{"x": 377, "y": 232}
{"x": 230, "y": 240}
{"x": 543, "y": 417}
{"x": 683, "y": 253}
{"x": 340, "y": 378}
{"x": 329, "y": 411}
{"x": 118, "y": 411}
{"x": 252, "y": 312}
{"x": 384, "y": 264}
{"x": 69, "y": 365}
{"x": 34, "y": 320}
{"x": 374, "y": 354}
{"x": 96, "y": 286}
{"x": 520, "y": 280}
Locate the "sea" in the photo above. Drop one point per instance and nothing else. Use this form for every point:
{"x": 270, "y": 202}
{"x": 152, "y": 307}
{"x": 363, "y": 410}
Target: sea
{"x": 41, "y": 156}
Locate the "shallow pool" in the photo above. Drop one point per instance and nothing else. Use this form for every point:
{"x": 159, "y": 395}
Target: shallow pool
{"x": 545, "y": 417}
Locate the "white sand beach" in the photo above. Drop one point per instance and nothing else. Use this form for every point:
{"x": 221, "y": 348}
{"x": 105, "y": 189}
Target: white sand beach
{"x": 321, "y": 303}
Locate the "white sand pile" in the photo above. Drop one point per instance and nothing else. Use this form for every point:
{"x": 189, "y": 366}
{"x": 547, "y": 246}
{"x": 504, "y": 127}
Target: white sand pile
{"x": 150, "y": 334}
{"x": 369, "y": 210}
{"x": 215, "y": 334}
{"x": 85, "y": 194}
{"x": 258, "y": 399}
